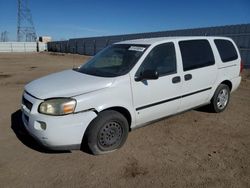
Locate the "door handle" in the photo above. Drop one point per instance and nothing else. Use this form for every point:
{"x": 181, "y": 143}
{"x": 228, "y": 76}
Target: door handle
{"x": 176, "y": 79}
{"x": 188, "y": 77}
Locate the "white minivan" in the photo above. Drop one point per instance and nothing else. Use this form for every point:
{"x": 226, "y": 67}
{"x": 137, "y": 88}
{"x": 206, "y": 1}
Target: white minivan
{"x": 127, "y": 85}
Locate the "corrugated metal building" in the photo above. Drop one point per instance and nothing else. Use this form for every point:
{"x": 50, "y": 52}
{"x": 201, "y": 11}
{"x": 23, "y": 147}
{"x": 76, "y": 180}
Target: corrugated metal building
{"x": 90, "y": 46}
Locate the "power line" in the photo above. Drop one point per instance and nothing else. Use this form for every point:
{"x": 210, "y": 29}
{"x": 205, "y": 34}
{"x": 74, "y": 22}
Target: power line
{"x": 25, "y": 26}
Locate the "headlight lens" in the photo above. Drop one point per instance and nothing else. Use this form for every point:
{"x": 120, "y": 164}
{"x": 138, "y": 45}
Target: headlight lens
{"x": 57, "y": 107}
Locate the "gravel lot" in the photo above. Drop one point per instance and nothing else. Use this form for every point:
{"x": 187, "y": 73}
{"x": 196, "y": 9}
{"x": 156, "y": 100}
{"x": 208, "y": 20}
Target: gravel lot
{"x": 194, "y": 149}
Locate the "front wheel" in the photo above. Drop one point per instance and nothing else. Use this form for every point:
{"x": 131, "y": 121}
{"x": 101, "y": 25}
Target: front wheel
{"x": 107, "y": 132}
{"x": 220, "y": 99}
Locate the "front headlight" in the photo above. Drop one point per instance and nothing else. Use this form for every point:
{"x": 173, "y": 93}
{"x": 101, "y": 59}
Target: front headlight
{"x": 57, "y": 107}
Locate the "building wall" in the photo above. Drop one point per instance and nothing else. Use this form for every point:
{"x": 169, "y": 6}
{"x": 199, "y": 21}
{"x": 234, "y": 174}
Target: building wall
{"x": 22, "y": 47}
{"x": 90, "y": 46}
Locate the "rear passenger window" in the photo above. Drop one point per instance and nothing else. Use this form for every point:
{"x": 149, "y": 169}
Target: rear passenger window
{"x": 162, "y": 59}
{"x": 196, "y": 54}
{"x": 226, "y": 50}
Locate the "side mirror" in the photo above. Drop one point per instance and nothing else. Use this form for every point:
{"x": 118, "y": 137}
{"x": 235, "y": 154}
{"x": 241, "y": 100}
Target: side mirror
{"x": 147, "y": 75}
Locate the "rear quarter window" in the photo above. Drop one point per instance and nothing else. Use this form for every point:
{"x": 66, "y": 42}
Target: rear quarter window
{"x": 196, "y": 54}
{"x": 226, "y": 50}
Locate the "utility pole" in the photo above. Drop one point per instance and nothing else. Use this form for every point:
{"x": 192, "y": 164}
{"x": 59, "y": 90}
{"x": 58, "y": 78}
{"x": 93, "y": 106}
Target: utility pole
{"x": 4, "y": 36}
{"x": 25, "y": 26}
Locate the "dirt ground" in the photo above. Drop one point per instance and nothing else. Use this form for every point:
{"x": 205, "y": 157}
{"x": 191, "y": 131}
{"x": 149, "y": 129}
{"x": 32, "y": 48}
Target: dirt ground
{"x": 194, "y": 149}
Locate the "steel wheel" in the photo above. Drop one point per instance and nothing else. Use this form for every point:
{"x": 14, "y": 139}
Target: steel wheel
{"x": 110, "y": 135}
{"x": 107, "y": 132}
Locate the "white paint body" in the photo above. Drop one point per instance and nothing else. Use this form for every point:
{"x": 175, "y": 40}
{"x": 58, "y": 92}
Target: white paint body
{"x": 95, "y": 94}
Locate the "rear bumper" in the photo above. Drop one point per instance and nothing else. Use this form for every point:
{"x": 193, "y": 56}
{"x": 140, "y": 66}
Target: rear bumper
{"x": 235, "y": 83}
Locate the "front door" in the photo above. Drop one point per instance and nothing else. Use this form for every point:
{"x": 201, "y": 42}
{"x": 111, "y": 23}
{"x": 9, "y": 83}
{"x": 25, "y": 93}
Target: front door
{"x": 154, "y": 99}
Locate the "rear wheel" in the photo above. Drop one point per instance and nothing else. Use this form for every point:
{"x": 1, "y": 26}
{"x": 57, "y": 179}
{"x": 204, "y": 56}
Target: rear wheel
{"x": 220, "y": 99}
{"x": 107, "y": 132}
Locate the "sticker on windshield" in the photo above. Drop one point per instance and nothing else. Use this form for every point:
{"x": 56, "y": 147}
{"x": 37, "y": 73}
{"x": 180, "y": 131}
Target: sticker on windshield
{"x": 137, "y": 48}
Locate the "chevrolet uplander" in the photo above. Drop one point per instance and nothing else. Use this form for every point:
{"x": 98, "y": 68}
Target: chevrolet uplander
{"x": 127, "y": 85}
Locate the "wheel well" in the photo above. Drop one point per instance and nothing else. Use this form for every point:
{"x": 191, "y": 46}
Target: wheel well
{"x": 228, "y": 83}
{"x": 124, "y": 112}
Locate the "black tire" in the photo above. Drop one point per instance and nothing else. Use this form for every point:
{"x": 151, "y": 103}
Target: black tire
{"x": 107, "y": 132}
{"x": 217, "y": 104}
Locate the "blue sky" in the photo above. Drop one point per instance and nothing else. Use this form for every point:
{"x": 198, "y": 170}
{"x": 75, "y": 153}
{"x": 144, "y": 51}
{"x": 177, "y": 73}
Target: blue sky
{"x": 63, "y": 19}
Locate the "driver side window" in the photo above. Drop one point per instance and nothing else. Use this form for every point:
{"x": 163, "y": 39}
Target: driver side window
{"x": 162, "y": 59}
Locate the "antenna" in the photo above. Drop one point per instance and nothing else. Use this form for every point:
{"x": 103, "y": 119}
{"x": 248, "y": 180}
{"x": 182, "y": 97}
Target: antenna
{"x": 25, "y": 26}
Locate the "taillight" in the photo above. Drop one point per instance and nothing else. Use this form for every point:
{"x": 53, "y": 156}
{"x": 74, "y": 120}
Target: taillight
{"x": 241, "y": 66}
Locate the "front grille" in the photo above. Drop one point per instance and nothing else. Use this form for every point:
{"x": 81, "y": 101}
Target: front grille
{"x": 27, "y": 103}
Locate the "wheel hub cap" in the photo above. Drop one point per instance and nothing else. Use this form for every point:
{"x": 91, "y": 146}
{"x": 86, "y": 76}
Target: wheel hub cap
{"x": 222, "y": 99}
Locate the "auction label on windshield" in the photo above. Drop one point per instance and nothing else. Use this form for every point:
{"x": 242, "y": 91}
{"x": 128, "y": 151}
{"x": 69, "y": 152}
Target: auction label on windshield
{"x": 137, "y": 48}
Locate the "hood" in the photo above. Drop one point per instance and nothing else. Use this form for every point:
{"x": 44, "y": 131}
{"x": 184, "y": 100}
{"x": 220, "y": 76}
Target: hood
{"x": 66, "y": 84}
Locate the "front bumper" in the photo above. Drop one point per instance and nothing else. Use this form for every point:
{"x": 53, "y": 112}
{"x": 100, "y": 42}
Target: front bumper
{"x": 55, "y": 132}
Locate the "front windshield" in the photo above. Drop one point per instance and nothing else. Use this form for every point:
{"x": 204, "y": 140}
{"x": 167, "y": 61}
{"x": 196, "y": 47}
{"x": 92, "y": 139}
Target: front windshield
{"x": 113, "y": 61}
